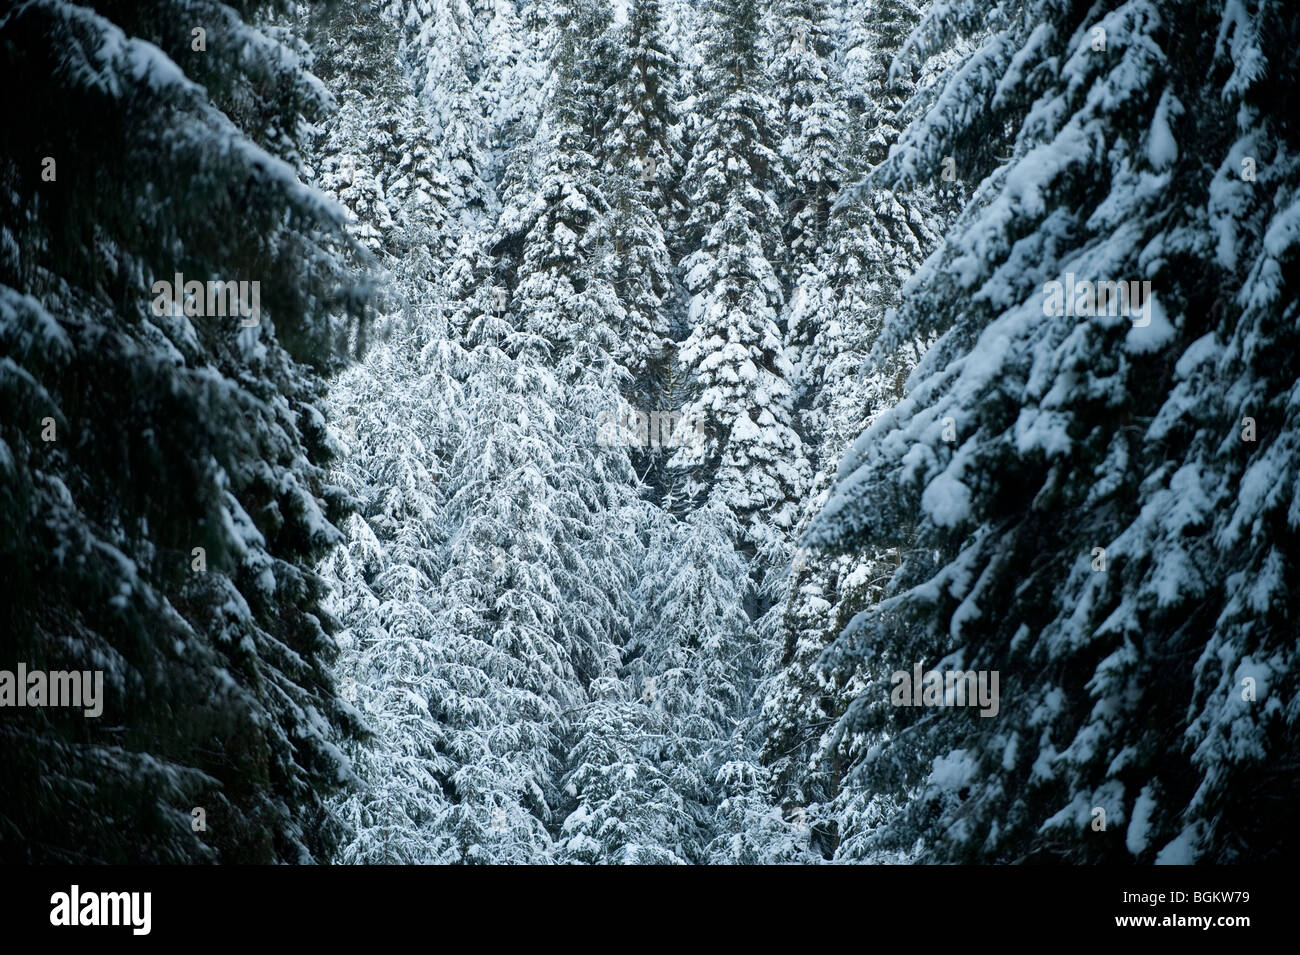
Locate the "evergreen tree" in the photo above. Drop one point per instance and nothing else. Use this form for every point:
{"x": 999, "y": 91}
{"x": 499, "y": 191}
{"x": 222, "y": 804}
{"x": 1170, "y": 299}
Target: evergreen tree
{"x": 378, "y": 155}
{"x": 1102, "y": 525}
{"x": 751, "y": 458}
{"x": 382, "y": 580}
{"x": 848, "y": 373}
{"x": 872, "y": 34}
{"x": 509, "y": 85}
{"x": 989, "y": 307}
{"x": 526, "y": 607}
{"x": 643, "y": 136}
{"x": 627, "y": 812}
{"x": 693, "y": 658}
{"x": 400, "y": 413}
{"x": 815, "y": 127}
{"x": 162, "y": 490}
{"x": 446, "y": 50}
{"x": 640, "y": 151}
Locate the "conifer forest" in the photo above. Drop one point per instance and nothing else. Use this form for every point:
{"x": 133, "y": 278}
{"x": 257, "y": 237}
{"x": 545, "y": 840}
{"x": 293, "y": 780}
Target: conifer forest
{"x": 669, "y": 432}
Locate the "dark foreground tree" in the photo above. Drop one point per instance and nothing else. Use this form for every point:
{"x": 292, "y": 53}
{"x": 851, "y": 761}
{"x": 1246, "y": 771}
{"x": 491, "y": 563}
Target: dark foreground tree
{"x": 161, "y": 489}
{"x": 1103, "y": 491}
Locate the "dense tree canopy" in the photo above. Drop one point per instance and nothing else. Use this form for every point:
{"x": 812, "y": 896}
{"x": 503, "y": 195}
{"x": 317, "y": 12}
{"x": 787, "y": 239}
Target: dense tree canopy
{"x": 650, "y": 432}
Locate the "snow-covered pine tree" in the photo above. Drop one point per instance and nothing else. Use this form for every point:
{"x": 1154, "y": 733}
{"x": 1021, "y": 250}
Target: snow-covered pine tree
{"x": 640, "y": 272}
{"x": 384, "y": 155}
{"x": 565, "y": 295}
{"x": 162, "y": 491}
{"x": 751, "y": 457}
{"x": 871, "y": 35}
{"x": 847, "y": 371}
{"x": 403, "y": 415}
{"x": 383, "y": 579}
{"x": 461, "y": 157}
{"x": 647, "y": 745}
{"x": 816, "y": 141}
{"x": 643, "y": 135}
{"x": 627, "y": 810}
{"x": 561, "y": 241}
{"x": 510, "y": 82}
{"x": 516, "y": 589}
{"x": 847, "y": 374}
{"x": 693, "y": 660}
{"x": 565, "y": 302}
{"x": 441, "y": 52}
{"x": 1103, "y": 498}
{"x": 639, "y": 151}
{"x": 530, "y": 604}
